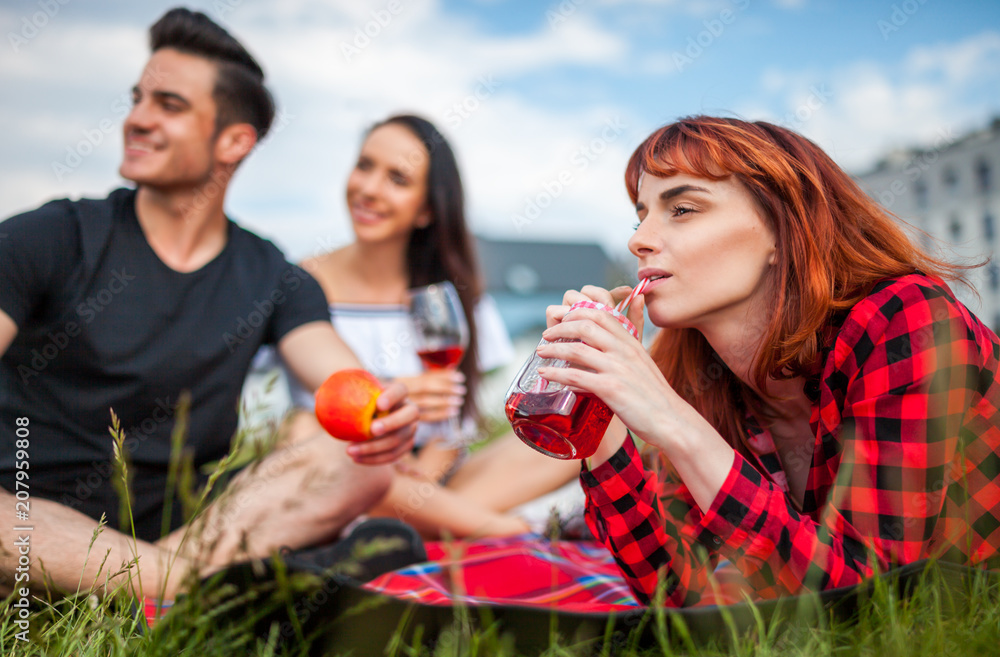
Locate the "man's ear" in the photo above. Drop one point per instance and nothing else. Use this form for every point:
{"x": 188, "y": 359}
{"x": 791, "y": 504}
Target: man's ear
{"x": 235, "y": 142}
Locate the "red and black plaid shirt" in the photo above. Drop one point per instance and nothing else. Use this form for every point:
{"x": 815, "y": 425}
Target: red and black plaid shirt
{"x": 905, "y": 466}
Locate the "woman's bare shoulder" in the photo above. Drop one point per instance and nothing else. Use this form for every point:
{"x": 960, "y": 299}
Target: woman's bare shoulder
{"x": 329, "y": 270}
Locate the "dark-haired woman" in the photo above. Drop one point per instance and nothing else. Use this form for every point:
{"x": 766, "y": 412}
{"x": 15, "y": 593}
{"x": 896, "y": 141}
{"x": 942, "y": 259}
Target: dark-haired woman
{"x": 405, "y": 200}
{"x": 821, "y": 405}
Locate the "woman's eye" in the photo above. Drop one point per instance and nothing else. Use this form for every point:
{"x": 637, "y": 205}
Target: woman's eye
{"x": 681, "y": 209}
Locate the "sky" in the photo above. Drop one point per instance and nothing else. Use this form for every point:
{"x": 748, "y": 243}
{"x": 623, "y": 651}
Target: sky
{"x": 543, "y": 102}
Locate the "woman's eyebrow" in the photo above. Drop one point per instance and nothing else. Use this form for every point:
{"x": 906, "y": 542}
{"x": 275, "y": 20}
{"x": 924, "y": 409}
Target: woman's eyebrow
{"x": 668, "y": 194}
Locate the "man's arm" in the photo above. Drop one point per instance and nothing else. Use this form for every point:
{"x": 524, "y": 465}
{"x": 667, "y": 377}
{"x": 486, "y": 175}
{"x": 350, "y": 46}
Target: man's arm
{"x": 8, "y": 331}
{"x": 314, "y": 351}
{"x": 72, "y": 552}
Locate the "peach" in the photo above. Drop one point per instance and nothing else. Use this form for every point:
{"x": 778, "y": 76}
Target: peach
{"x": 345, "y": 404}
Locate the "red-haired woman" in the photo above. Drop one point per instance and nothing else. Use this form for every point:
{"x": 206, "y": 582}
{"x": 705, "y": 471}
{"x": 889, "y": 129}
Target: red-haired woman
{"x": 822, "y": 405}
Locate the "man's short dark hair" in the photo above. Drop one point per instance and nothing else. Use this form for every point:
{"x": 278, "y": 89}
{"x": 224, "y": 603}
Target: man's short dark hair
{"x": 240, "y": 95}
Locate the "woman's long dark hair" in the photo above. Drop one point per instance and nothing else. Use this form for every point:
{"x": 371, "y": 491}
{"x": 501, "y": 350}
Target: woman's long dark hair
{"x": 444, "y": 250}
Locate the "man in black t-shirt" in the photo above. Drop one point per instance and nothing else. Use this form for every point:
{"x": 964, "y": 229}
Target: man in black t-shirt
{"x": 132, "y": 303}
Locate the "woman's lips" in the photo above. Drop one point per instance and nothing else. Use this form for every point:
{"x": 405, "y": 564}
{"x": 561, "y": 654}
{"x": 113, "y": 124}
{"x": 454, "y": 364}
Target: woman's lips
{"x": 654, "y": 275}
{"x": 365, "y": 216}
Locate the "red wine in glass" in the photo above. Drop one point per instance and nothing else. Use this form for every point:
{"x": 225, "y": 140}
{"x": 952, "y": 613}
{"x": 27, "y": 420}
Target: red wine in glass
{"x": 562, "y": 424}
{"x": 441, "y": 359}
{"x": 441, "y": 334}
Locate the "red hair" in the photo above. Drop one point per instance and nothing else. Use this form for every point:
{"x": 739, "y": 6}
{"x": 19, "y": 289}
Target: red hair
{"x": 833, "y": 244}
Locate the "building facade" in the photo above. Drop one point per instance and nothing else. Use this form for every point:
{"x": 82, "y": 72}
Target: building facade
{"x": 526, "y": 277}
{"x": 949, "y": 192}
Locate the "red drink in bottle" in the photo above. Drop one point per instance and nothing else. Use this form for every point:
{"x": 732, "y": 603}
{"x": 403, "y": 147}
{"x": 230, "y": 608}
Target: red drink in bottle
{"x": 562, "y": 424}
{"x": 556, "y": 421}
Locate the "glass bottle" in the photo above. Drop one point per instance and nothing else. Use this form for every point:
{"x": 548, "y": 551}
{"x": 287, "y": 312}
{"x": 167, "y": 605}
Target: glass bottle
{"x": 551, "y": 418}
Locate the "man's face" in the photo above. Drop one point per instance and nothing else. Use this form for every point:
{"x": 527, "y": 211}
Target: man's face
{"x": 170, "y": 132}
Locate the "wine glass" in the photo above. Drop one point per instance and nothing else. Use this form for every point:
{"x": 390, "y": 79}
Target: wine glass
{"x": 441, "y": 335}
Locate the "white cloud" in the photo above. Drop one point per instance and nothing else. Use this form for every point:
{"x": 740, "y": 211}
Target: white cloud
{"x": 969, "y": 60}
{"x": 421, "y": 60}
{"x": 76, "y": 54}
{"x": 469, "y": 80}
{"x": 402, "y": 58}
{"x": 860, "y": 110}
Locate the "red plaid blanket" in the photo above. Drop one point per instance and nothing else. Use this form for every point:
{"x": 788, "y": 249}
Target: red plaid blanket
{"x": 571, "y": 576}
{"x": 578, "y": 576}
{"x": 518, "y": 570}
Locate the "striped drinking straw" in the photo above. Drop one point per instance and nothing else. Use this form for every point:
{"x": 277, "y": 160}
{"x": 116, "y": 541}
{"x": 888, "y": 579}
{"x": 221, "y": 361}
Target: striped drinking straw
{"x": 623, "y": 305}
{"x": 621, "y": 309}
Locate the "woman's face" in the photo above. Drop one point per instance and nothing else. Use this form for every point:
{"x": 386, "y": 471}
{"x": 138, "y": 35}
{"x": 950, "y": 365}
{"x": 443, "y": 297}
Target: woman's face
{"x": 708, "y": 249}
{"x": 387, "y": 189}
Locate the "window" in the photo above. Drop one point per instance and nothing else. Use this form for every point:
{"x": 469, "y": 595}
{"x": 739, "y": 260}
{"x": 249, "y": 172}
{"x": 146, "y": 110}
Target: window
{"x": 920, "y": 194}
{"x": 955, "y": 228}
{"x": 950, "y": 180}
{"x": 984, "y": 176}
{"x": 993, "y": 271}
{"x": 988, "y": 228}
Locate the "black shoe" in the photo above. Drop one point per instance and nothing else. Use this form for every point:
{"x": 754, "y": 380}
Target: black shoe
{"x": 266, "y": 594}
{"x": 374, "y": 547}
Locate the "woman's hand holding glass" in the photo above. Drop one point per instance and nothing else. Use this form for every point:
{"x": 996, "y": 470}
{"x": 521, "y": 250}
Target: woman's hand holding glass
{"x": 439, "y": 394}
{"x": 441, "y": 334}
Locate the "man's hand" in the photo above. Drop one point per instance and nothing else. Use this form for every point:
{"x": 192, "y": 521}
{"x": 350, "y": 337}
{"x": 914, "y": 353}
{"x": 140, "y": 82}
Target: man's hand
{"x": 392, "y": 434}
{"x": 312, "y": 352}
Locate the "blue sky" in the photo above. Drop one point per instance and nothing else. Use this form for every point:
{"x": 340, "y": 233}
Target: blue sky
{"x": 543, "y": 101}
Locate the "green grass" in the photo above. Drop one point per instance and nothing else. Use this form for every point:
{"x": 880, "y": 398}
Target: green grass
{"x": 216, "y": 618}
{"x": 933, "y": 621}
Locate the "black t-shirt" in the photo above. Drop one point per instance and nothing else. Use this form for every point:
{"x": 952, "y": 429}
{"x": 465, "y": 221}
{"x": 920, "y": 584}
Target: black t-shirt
{"x": 104, "y": 324}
